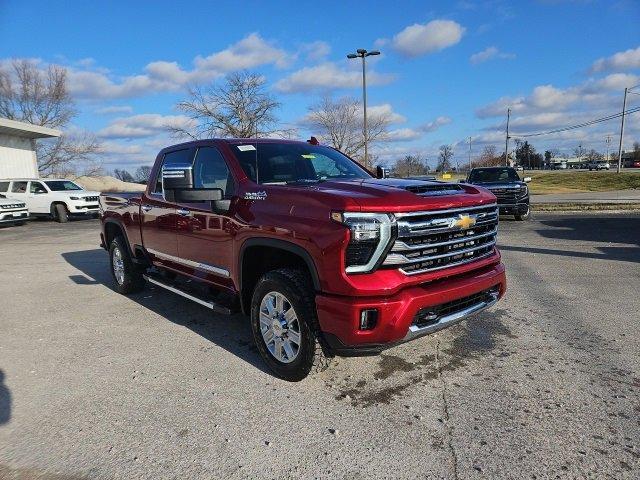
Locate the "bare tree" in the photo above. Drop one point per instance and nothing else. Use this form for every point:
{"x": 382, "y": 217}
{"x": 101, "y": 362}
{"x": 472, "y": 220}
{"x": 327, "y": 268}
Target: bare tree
{"x": 488, "y": 158}
{"x": 239, "y": 107}
{"x": 40, "y": 97}
{"x": 444, "y": 158}
{"x": 122, "y": 174}
{"x": 143, "y": 173}
{"x": 593, "y": 156}
{"x": 410, "y": 165}
{"x": 340, "y": 123}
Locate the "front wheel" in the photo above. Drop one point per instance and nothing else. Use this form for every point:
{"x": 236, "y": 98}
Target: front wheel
{"x": 61, "y": 214}
{"x": 285, "y": 326}
{"x": 524, "y": 216}
{"x": 126, "y": 274}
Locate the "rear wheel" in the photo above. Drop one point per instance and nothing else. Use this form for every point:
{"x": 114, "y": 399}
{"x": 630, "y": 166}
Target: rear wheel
{"x": 285, "y": 324}
{"x": 126, "y": 274}
{"x": 60, "y": 213}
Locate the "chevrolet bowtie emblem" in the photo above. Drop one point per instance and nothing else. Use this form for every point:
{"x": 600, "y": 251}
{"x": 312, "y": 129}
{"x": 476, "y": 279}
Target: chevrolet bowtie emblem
{"x": 464, "y": 221}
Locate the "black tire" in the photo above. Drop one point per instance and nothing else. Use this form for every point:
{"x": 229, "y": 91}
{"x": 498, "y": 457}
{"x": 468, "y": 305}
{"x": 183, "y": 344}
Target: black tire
{"x": 60, "y": 213}
{"x": 19, "y": 224}
{"x": 131, "y": 280}
{"x": 524, "y": 216}
{"x": 312, "y": 354}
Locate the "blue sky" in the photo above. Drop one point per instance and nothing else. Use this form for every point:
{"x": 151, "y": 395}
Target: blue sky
{"x": 448, "y": 70}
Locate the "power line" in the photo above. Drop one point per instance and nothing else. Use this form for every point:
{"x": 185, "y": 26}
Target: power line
{"x": 580, "y": 125}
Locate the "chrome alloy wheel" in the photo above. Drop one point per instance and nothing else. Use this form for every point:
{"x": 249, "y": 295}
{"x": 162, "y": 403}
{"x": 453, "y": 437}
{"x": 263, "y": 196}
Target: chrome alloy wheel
{"x": 280, "y": 327}
{"x": 118, "y": 265}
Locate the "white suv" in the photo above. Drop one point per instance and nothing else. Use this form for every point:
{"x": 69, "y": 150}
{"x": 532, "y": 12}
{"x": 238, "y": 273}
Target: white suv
{"x": 12, "y": 211}
{"x": 58, "y": 198}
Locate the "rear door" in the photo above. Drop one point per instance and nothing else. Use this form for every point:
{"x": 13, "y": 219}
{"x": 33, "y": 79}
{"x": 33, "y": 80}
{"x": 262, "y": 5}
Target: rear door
{"x": 159, "y": 216}
{"x": 204, "y": 235}
{"x": 18, "y": 191}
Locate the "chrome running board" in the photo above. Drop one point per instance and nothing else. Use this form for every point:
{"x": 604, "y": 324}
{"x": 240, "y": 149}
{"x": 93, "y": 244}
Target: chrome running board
{"x": 210, "y": 304}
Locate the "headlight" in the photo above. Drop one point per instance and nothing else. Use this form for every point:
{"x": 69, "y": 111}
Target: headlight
{"x": 523, "y": 190}
{"x": 370, "y": 235}
{"x": 75, "y": 198}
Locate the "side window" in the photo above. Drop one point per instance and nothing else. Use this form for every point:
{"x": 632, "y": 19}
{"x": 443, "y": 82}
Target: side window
{"x": 37, "y": 187}
{"x": 211, "y": 171}
{"x": 4, "y": 186}
{"x": 177, "y": 157}
{"x": 19, "y": 187}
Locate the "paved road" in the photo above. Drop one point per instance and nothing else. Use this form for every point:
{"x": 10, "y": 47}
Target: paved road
{"x": 547, "y": 384}
{"x": 616, "y": 196}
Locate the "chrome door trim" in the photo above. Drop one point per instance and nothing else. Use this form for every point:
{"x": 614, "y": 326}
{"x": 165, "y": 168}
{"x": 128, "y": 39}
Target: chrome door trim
{"x": 190, "y": 263}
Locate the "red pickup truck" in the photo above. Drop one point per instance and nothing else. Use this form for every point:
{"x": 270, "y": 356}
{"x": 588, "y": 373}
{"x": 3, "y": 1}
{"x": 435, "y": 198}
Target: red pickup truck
{"x": 324, "y": 258}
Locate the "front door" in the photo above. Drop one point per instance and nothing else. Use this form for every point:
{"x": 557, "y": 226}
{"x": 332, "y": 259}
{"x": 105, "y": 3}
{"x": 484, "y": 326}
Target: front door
{"x": 39, "y": 198}
{"x": 204, "y": 234}
{"x": 159, "y": 216}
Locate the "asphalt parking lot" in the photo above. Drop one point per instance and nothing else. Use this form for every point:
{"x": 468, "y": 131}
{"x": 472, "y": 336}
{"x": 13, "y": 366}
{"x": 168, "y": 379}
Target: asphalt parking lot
{"x": 544, "y": 385}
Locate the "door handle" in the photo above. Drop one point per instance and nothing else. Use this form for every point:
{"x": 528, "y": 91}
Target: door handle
{"x": 183, "y": 212}
{"x": 146, "y": 208}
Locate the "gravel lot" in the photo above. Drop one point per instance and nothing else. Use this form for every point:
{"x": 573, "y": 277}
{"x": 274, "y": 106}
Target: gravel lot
{"x": 546, "y": 384}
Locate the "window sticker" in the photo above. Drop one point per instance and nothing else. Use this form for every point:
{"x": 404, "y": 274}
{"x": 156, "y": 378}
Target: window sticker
{"x": 246, "y": 148}
{"x": 308, "y": 156}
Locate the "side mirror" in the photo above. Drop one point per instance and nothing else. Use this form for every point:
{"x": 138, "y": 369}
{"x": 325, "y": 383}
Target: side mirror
{"x": 527, "y": 179}
{"x": 381, "y": 172}
{"x": 178, "y": 186}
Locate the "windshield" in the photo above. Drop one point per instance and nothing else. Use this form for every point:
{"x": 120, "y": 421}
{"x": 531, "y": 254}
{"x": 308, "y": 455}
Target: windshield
{"x": 489, "y": 175}
{"x": 62, "y": 185}
{"x": 289, "y": 163}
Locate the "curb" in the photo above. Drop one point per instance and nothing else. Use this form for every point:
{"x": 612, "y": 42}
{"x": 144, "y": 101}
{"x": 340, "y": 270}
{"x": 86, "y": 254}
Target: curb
{"x": 577, "y": 207}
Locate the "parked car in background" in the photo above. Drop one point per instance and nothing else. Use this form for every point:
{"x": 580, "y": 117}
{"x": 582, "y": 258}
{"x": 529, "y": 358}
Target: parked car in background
{"x": 598, "y": 165}
{"x": 325, "y": 258}
{"x": 632, "y": 163}
{"x": 57, "y": 198}
{"x": 512, "y": 192}
{"x": 12, "y": 211}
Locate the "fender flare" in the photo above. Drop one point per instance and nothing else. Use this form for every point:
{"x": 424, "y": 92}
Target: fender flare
{"x": 283, "y": 245}
{"x": 123, "y": 231}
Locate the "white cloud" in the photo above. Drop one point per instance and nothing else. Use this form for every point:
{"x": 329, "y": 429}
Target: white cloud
{"x": 627, "y": 60}
{"x": 488, "y": 54}
{"x": 252, "y": 51}
{"x": 142, "y": 126}
{"x": 403, "y": 135}
{"x": 617, "y": 81}
{"x": 327, "y": 76}
{"x": 315, "y": 51}
{"x": 385, "y": 110}
{"x": 114, "y": 109}
{"x": 418, "y": 39}
{"x": 435, "y": 124}
{"x": 88, "y": 82}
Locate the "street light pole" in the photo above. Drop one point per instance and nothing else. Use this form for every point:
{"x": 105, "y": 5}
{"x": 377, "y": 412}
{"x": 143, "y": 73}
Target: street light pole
{"x": 469, "y": 153}
{"x": 506, "y": 147}
{"x": 362, "y": 53}
{"x": 624, "y": 107}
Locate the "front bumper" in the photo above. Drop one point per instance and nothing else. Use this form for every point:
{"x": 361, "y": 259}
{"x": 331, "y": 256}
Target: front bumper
{"x": 520, "y": 208}
{"x": 14, "y": 216}
{"x": 83, "y": 209}
{"x": 339, "y": 317}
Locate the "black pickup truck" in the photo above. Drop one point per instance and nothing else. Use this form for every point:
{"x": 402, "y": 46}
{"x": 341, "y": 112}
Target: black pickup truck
{"x": 512, "y": 192}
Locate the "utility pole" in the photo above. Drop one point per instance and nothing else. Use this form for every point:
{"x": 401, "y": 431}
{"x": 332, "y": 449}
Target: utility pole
{"x": 624, "y": 107}
{"x": 469, "y": 153}
{"x": 608, "y": 142}
{"x": 506, "y": 147}
{"x": 362, "y": 53}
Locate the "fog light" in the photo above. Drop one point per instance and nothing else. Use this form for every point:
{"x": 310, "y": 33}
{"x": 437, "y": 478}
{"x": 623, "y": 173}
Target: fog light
{"x": 368, "y": 319}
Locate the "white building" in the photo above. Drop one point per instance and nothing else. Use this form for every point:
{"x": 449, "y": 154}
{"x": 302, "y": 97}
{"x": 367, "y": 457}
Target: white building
{"x": 18, "y": 148}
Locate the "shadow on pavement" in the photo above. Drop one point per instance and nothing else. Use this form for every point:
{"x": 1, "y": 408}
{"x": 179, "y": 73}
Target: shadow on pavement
{"x": 233, "y": 333}
{"x": 620, "y": 229}
{"x": 5, "y": 401}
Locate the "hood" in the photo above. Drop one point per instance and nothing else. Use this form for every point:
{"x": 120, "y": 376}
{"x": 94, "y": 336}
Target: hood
{"x": 394, "y": 194}
{"x": 495, "y": 185}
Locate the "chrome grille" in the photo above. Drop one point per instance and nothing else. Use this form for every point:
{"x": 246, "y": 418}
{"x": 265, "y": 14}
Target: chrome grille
{"x": 433, "y": 240}
{"x": 13, "y": 205}
{"x": 90, "y": 199}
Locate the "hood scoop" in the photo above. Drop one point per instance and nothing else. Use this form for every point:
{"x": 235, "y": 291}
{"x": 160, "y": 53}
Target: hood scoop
{"x": 435, "y": 189}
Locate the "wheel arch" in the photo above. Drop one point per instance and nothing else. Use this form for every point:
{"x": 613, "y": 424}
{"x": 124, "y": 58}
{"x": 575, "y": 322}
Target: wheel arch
{"x": 249, "y": 270}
